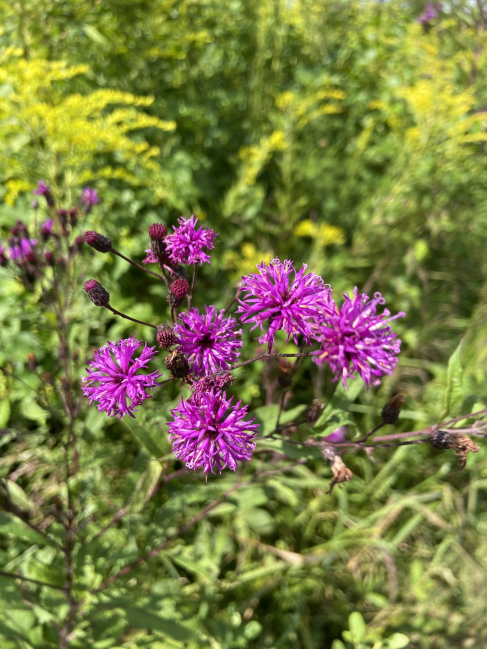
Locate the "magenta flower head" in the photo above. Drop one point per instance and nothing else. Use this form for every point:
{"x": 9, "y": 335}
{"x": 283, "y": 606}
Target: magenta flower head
{"x": 186, "y": 245}
{"x": 46, "y": 228}
{"x": 355, "y": 339}
{"x": 211, "y": 341}
{"x": 23, "y": 250}
{"x": 284, "y": 302}
{"x": 114, "y": 382}
{"x": 89, "y": 198}
{"x": 209, "y": 432}
{"x": 430, "y": 13}
{"x": 42, "y": 189}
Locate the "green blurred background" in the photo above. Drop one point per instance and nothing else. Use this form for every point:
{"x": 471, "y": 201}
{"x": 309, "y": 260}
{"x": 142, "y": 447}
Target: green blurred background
{"x": 341, "y": 134}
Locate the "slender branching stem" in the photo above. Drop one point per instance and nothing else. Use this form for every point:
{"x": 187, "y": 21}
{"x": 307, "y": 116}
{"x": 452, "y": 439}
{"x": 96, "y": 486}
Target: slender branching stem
{"x": 134, "y": 263}
{"x": 11, "y": 575}
{"x": 127, "y": 317}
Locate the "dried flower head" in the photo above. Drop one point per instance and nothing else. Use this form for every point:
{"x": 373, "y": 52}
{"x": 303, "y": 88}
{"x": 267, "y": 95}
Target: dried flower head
{"x": 211, "y": 341}
{"x": 314, "y": 410}
{"x": 355, "y": 339}
{"x": 390, "y": 412}
{"x": 461, "y": 444}
{"x": 177, "y": 364}
{"x": 283, "y": 302}
{"x": 114, "y": 382}
{"x": 210, "y": 433}
{"x": 186, "y": 245}
{"x": 216, "y": 381}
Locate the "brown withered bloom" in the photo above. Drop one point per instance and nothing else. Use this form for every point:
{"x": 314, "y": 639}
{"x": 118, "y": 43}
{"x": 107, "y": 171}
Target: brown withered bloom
{"x": 340, "y": 472}
{"x": 177, "y": 364}
{"x": 461, "y": 444}
{"x": 285, "y": 376}
{"x": 314, "y": 411}
{"x": 390, "y": 412}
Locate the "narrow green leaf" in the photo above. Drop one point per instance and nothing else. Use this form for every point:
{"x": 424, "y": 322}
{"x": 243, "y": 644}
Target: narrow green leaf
{"x": 142, "y": 619}
{"x": 341, "y": 400}
{"x": 454, "y": 380}
{"x": 145, "y": 486}
{"x": 4, "y": 412}
{"x": 144, "y": 438}
{"x": 95, "y": 35}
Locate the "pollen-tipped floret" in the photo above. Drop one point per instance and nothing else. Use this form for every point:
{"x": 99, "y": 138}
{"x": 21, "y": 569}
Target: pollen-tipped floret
{"x": 355, "y": 339}
{"x": 209, "y": 433}
{"x": 113, "y": 380}
{"x": 283, "y": 298}
{"x": 210, "y": 341}
{"x": 186, "y": 245}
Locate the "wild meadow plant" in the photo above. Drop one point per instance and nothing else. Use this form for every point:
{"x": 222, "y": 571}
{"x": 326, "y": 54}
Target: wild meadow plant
{"x": 210, "y": 429}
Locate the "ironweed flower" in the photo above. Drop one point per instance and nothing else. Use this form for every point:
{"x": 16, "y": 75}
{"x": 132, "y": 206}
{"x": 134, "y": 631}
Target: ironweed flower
{"x": 211, "y": 341}
{"x": 430, "y": 13}
{"x": 209, "y": 432}
{"x": 23, "y": 250}
{"x": 43, "y": 189}
{"x": 355, "y": 339}
{"x": 46, "y": 228}
{"x": 186, "y": 245}
{"x": 89, "y": 198}
{"x": 213, "y": 382}
{"x": 283, "y": 302}
{"x": 114, "y": 383}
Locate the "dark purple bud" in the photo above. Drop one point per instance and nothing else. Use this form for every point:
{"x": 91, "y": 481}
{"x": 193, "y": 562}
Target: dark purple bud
{"x": 98, "y": 241}
{"x": 177, "y": 364}
{"x": 89, "y": 198}
{"x": 49, "y": 257}
{"x": 165, "y": 336}
{"x": 157, "y": 232}
{"x": 43, "y": 190}
{"x": 180, "y": 288}
{"x": 78, "y": 243}
{"x": 97, "y": 294}
{"x": 390, "y": 412}
{"x": 46, "y": 228}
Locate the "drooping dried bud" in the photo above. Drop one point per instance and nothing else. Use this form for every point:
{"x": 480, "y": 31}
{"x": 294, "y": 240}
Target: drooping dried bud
{"x": 179, "y": 290}
{"x": 31, "y": 361}
{"x": 461, "y": 444}
{"x": 207, "y": 383}
{"x": 390, "y": 412}
{"x": 314, "y": 411}
{"x": 177, "y": 364}
{"x": 157, "y": 232}
{"x": 285, "y": 376}
{"x": 97, "y": 294}
{"x": 165, "y": 336}
{"x": 340, "y": 472}
{"x": 98, "y": 241}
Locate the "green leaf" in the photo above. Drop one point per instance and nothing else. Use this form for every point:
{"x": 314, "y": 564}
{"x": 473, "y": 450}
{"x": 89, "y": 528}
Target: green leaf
{"x": 337, "y": 644}
{"x": 454, "y": 380}
{"x": 145, "y": 438}
{"x": 95, "y": 35}
{"x": 142, "y": 619}
{"x": 357, "y": 626}
{"x": 291, "y": 450}
{"x": 145, "y": 486}
{"x": 4, "y": 412}
{"x": 33, "y": 411}
{"x": 341, "y": 400}
{"x": 397, "y": 641}
{"x": 266, "y": 418}
{"x": 19, "y": 497}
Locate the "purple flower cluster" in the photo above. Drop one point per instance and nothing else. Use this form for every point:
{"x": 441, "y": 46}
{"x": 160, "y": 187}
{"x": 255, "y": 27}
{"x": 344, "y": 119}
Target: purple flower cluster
{"x": 211, "y": 341}
{"x": 355, "y": 339}
{"x": 43, "y": 189}
{"x": 114, "y": 382}
{"x": 430, "y": 13}
{"x": 284, "y": 299}
{"x": 186, "y": 245}
{"x": 22, "y": 250}
{"x": 89, "y": 198}
{"x": 209, "y": 432}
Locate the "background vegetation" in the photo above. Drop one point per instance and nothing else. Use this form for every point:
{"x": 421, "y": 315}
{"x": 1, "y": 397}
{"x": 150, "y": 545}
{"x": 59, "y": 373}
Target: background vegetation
{"x": 344, "y": 135}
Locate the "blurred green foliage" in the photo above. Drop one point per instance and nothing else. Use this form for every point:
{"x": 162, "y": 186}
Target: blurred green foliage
{"x": 339, "y": 134}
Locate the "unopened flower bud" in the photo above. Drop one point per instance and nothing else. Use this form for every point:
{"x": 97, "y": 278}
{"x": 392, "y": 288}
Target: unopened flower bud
{"x": 177, "y": 364}
{"x": 390, "y": 412}
{"x": 97, "y": 294}
{"x": 179, "y": 290}
{"x": 165, "y": 336}
{"x": 461, "y": 444}
{"x": 285, "y": 377}
{"x": 98, "y": 241}
{"x": 157, "y": 231}
{"x": 314, "y": 411}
